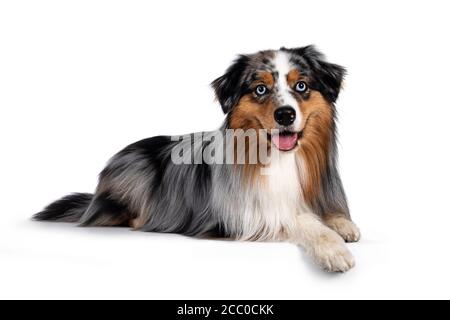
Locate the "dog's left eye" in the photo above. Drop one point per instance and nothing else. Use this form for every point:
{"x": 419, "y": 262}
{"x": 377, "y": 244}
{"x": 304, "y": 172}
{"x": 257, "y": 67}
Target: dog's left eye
{"x": 261, "y": 90}
{"x": 301, "y": 87}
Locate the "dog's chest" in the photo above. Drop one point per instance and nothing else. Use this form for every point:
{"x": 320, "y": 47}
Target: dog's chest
{"x": 281, "y": 187}
{"x": 276, "y": 199}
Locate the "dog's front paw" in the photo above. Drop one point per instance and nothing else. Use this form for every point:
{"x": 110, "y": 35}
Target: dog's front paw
{"x": 345, "y": 228}
{"x": 331, "y": 254}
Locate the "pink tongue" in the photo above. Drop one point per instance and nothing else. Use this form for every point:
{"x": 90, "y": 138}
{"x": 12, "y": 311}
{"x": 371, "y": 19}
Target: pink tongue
{"x": 285, "y": 142}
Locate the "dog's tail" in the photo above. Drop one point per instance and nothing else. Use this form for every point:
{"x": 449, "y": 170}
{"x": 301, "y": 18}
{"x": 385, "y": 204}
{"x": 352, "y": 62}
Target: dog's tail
{"x": 68, "y": 209}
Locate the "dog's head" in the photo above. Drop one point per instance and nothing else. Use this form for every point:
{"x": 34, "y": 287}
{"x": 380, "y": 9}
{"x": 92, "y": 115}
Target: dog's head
{"x": 289, "y": 90}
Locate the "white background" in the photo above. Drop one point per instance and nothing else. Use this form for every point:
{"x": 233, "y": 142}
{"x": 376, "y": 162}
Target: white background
{"x": 79, "y": 80}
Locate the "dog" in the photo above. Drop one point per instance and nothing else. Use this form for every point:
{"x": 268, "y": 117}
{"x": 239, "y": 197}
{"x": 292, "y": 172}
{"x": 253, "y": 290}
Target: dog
{"x": 163, "y": 184}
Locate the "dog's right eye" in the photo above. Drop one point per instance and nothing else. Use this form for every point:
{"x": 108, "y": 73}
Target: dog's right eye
{"x": 261, "y": 90}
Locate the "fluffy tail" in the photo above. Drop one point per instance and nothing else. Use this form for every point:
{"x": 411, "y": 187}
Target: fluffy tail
{"x": 67, "y": 209}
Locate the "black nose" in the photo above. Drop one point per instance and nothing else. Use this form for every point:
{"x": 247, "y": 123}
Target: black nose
{"x": 285, "y": 116}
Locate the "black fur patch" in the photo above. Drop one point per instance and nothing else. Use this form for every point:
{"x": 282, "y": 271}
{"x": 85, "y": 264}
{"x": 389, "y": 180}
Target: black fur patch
{"x": 68, "y": 209}
{"x": 327, "y": 77}
{"x": 152, "y": 149}
{"x": 229, "y": 87}
{"x": 105, "y": 211}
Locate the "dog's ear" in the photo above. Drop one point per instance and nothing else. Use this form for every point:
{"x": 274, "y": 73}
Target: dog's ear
{"x": 328, "y": 76}
{"x": 229, "y": 87}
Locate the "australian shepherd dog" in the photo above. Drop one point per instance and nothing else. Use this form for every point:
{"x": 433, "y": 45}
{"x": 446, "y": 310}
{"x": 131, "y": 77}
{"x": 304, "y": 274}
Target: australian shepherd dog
{"x": 268, "y": 174}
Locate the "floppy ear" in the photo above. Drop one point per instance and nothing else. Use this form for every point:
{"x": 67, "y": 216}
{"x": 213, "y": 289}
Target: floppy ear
{"x": 229, "y": 87}
{"x": 328, "y": 76}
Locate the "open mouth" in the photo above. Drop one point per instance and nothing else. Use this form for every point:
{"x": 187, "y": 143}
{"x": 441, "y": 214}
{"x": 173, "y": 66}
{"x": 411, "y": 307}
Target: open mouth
{"x": 286, "y": 140}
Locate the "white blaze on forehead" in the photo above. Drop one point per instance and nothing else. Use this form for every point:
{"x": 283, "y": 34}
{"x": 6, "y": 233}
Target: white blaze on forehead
{"x": 284, "y": 93}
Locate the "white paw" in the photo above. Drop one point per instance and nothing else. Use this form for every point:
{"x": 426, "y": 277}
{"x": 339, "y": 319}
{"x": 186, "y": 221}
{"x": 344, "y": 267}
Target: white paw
{"x": 345, "y": 228}
{"x": 332, "y": 255}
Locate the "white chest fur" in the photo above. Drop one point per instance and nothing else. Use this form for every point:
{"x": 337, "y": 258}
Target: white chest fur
{"x": 272, "y": 204}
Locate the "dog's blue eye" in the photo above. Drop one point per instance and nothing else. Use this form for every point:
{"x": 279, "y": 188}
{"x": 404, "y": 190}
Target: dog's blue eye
{"x": 301, "y": 87}
{"x": 261, "y": 90}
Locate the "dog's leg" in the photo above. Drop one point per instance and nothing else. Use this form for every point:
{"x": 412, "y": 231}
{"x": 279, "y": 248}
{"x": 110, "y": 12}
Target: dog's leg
{"x": 324, "y": 245}
{"x": 343, "y": 226}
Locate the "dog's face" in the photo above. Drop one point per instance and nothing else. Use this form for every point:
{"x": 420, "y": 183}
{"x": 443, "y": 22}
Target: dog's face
{"x": 289, "y": 90}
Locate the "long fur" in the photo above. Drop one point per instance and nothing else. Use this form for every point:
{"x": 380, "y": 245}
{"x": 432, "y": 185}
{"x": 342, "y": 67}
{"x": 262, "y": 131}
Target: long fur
{"x": 141, "y": 187}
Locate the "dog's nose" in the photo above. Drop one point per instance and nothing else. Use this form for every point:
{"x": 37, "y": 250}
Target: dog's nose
{"x": 285, "y": 116}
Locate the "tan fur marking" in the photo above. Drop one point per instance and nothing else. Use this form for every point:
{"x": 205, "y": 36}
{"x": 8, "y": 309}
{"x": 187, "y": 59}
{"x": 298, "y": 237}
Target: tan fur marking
{"x": 251, "y": 114}
{"x": 265, "y": 78}
{"x": 294, "y": 76}
{"x": 317, "y": 122}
